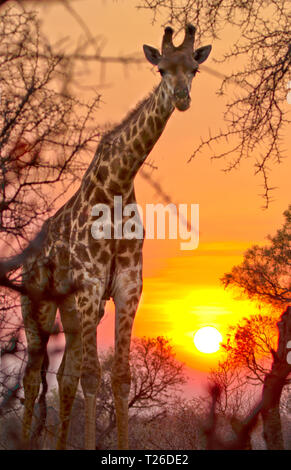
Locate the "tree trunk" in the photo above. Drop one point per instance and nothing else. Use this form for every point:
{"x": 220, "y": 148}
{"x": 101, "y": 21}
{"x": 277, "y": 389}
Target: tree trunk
{"x": 273, "y": 386}
{"x": 271, "y": 414}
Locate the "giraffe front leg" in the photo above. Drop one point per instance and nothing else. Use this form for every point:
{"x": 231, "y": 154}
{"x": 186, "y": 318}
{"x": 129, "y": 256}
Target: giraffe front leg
{"x": 88, "y": 304}
{"x": 69, "y": 371}
{"x": 126, "y": 302}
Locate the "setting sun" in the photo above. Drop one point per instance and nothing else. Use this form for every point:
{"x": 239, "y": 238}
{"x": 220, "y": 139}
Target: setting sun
{"x": 207, "y": 339}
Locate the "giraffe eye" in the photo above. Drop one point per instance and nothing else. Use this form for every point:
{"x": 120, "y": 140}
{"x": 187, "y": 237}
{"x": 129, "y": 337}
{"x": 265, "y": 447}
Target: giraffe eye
{"x": 162, "y": 72}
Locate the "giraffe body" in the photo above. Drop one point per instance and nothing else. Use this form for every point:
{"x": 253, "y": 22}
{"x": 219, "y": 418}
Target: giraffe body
{"x": 104, "y": 268}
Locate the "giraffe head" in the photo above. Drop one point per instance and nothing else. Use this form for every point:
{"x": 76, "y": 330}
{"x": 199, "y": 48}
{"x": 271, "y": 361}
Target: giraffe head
{"x": 178, "y": 65}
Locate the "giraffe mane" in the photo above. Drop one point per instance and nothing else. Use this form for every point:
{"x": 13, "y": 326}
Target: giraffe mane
{"x": 116, "y": 128}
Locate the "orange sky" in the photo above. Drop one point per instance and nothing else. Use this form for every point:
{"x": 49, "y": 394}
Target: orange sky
{"x": 182, "y": 291}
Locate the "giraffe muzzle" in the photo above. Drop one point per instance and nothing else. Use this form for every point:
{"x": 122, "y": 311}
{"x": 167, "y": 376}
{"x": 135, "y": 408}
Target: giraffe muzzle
{"x": 182, "y": 98}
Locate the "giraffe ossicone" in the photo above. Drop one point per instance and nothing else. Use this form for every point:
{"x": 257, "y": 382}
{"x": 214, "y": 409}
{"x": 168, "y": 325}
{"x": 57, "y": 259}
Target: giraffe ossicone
{"x": 102, "y": 268}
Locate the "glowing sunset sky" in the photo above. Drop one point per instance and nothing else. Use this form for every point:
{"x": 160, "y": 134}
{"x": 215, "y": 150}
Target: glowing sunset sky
{"x": 182, "y": 291}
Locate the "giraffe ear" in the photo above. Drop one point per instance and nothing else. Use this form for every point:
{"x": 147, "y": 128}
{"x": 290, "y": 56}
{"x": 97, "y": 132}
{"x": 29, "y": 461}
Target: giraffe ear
{"x": 201, "y": 54}
{"x": 152, "y": 54}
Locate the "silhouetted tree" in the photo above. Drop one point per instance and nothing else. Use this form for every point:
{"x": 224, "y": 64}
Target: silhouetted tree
{"x": 265, "y": 273}
{"x": 235, "y": 396}
{"x": 42, "y": 130}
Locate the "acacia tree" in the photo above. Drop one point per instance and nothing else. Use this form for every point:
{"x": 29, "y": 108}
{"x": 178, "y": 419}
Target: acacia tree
{"x": 265, "y": 273}
{"x": 247, "y": 358}
{"x": 256, "y": 110}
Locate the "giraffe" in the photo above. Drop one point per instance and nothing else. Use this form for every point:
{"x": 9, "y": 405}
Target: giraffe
{"x": 102, "y": 268}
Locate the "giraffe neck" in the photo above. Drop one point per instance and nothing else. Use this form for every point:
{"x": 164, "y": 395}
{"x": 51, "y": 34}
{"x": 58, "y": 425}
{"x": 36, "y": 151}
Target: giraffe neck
{"x": 123, "y": 150}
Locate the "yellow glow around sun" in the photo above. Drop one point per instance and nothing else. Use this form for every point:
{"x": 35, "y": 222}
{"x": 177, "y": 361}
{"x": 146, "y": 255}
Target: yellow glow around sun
{"x": 207, "y": 339}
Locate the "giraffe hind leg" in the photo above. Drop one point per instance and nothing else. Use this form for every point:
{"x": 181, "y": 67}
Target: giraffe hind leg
{"x": 38, "y": 323}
